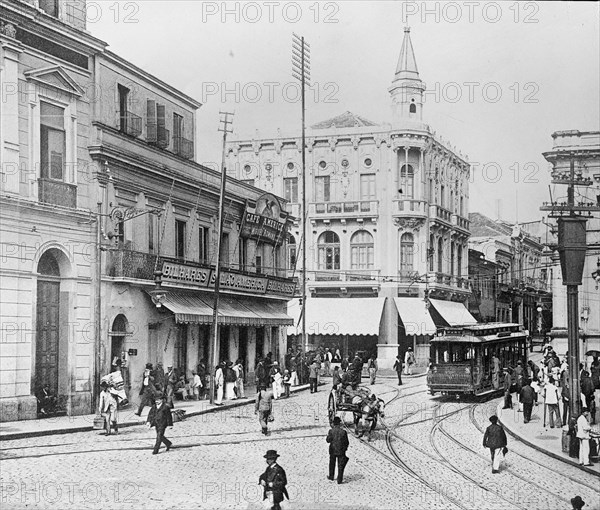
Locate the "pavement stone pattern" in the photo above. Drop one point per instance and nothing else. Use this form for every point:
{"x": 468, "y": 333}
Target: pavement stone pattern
{"x": 217, "y": 458}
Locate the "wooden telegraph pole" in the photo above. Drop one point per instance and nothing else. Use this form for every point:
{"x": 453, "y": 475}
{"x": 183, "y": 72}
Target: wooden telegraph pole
{"x": 213, "y": 352}
{"x": 301, "y": 71}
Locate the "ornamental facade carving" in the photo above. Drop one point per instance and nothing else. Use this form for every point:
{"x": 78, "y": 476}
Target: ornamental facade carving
{"x": 413, "y": 224}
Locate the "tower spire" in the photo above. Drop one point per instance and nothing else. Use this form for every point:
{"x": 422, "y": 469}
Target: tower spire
{"x": 407, "y": 64}
{"x": 407, "y": 87}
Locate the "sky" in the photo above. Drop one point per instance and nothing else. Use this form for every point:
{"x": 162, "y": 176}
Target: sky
{"x": 501, "y": 76}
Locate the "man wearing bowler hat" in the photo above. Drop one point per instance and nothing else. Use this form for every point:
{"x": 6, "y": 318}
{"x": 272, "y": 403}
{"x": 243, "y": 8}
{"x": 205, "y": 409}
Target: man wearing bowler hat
{"x": 273, "y": 481}
{"x": 337, "y": 438}
{"x": 160, "y": 418}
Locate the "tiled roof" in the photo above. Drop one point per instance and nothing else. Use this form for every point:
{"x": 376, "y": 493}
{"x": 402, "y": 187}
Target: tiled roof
{"x": 345, "y": 120}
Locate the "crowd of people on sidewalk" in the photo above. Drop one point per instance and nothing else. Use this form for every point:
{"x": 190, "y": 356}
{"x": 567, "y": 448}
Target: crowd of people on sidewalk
{"x": 550, "y": 384}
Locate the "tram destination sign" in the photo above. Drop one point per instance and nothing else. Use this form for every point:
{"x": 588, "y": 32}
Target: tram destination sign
{"x": 205, "y": 277}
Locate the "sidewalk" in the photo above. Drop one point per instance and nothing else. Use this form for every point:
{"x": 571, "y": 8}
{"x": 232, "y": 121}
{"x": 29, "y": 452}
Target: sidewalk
{"x": 127, "y": 418}
{"x": 535, "y": 435}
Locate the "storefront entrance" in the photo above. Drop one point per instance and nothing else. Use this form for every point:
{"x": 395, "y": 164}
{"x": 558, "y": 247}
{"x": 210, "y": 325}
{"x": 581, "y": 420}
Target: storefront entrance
{"x": 48, "y": 324}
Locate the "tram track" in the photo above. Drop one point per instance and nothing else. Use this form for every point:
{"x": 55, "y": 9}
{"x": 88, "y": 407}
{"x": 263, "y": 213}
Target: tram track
{"x": 529, "y": 459}
{"x": 397, "y": 461}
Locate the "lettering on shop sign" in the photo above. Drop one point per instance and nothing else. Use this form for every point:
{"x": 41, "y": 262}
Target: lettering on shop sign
{"x": 180, "y": 273}
{"x": 265, "y": 221}
{"x": 256, "y": 285}
{"x": 205, "y": 277}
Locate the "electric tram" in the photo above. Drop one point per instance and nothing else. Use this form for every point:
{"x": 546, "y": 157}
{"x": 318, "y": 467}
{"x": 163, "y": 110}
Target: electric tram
{"x": 461, "y": 357}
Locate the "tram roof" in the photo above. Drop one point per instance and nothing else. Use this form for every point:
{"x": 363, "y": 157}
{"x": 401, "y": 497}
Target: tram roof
{"x": 479, "y": 333}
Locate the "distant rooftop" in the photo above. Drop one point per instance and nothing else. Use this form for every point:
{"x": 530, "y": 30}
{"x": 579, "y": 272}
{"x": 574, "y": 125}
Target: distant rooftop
{"x": 345, "y": 120}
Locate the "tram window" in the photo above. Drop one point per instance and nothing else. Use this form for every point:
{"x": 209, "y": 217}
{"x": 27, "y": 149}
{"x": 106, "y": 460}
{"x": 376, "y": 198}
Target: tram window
{"x": 446, "y": 356}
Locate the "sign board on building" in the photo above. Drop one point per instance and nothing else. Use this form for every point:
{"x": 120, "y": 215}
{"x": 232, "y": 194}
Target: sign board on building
{"x": 205, "y": 276}
{"x": 265, "y": 222}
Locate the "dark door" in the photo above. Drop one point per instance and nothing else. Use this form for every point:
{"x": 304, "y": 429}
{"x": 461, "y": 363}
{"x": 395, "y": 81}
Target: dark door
{"x": 223, "y": 343}
{"x": 243, "y": 347}
{"x": 46, "y": 347}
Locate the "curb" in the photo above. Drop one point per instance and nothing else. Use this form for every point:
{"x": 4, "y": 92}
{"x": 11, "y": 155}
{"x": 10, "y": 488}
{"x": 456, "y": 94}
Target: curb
{"x": 89, "y": 428}
{"x": 566, "y": 460}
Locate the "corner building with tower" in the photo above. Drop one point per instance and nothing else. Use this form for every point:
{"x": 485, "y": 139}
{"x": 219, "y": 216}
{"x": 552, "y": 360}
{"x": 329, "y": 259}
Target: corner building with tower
{"x": 387, "y": 228}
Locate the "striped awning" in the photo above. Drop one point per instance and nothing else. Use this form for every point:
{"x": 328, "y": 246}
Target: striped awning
{"x": 455, "y": 314}
{"x": 233, "y": 311}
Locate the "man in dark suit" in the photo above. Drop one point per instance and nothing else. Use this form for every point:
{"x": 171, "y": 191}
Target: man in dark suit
{"x": 527, "y": 397}
{"x": 147, "y": 390}
{"x": 273, "y": 481}
{"x": 337, "y": 438}
{"x": 160, "y": 418}
{"x": 495, "y": 439}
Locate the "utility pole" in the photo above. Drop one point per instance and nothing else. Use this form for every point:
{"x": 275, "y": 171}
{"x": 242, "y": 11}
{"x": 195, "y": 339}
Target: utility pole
{"x": 98, "y": 310}
{"x": 301, "y": 71}
{"x": 572, "y": 249}
{"x": 212, "y": 350}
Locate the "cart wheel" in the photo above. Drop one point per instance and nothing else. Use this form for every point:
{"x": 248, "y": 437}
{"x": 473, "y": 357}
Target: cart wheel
{"x": 331, "y": 408}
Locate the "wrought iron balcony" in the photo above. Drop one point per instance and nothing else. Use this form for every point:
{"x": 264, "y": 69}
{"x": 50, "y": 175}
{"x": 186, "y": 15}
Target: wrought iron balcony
{"x": 57, "y": 193}
{"x": 347, "y": 275}
{"x": 158, "y": 136}
{"x": 408, "y": 276}
{"x": 447, "y": 280}
{"x": 183, "y": 147}
{"x": 130, "y": 123}
{"x": 131, "y": 264}
{"x": 343, "y": 210}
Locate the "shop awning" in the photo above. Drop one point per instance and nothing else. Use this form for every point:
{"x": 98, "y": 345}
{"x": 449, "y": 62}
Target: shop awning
{"x": 233, "y": 311}
{"x": 338, "y": 316}
{"x": 455, "y": 314}
{"x": 415, "y": 316}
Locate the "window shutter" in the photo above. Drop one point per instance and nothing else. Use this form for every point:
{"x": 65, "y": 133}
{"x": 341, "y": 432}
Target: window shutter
{"x": 161, "y": 122}
{"x": 151, "y": 133}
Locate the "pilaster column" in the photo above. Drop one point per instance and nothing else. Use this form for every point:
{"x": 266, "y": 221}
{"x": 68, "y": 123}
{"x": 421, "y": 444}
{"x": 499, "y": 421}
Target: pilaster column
{"x": 9, "y": 121}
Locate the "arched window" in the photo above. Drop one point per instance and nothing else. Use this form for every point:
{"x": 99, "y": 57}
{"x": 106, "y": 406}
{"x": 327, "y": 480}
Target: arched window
{"x": 362, "y": 250}
{"x": 407, "y": 181}
{"x": 407, "y": 249}
{"x": 413, "y": 107}
{"x": 291, "y": 251}
{"x": 440, "y": 254}
{"x": 329, "y": 250}
{"x": 462, "y": 206}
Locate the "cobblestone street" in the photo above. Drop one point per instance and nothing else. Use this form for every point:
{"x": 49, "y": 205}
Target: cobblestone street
{"x": 217, "y": 458}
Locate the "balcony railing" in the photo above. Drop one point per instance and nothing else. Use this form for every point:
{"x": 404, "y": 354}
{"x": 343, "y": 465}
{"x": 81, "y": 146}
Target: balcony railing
{"x": 361, "y": 208}
{"x": 437, "y": 212}
{"x": 157, "y": 136}
{"x": 348, "y": 275}
{"x": 57, "y": 193}
{"x": 408, "y": 207}
{"x": 131, "y": 264}
{"x": 183, "y": 147}
{"x": 448, "y": 280}
{"x": 130, "y": 123}
{"x": 460, "y": 222}
{"x": 408, "y": 276}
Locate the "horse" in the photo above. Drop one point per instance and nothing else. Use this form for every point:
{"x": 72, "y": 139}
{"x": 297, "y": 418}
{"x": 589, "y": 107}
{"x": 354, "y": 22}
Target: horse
{"x": 369, "y": 410}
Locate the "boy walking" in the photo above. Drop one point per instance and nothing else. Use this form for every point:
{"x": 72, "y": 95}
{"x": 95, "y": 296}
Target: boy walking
{"x": 108, "y": 408}
{"x": 160, "y": 418}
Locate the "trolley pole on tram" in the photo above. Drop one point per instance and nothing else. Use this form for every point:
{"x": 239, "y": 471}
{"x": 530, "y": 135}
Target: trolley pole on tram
{"x": 301, "y": 71}
{"x": 213, "y": 351}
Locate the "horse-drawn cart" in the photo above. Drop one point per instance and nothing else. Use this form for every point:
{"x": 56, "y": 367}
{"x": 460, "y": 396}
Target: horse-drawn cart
{"x": 360, "y": 402}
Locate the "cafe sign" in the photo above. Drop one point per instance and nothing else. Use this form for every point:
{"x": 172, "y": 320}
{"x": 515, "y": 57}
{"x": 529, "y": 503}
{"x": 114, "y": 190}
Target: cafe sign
{"x": 205, "y": 277}
{"x": 265, "y": 221}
